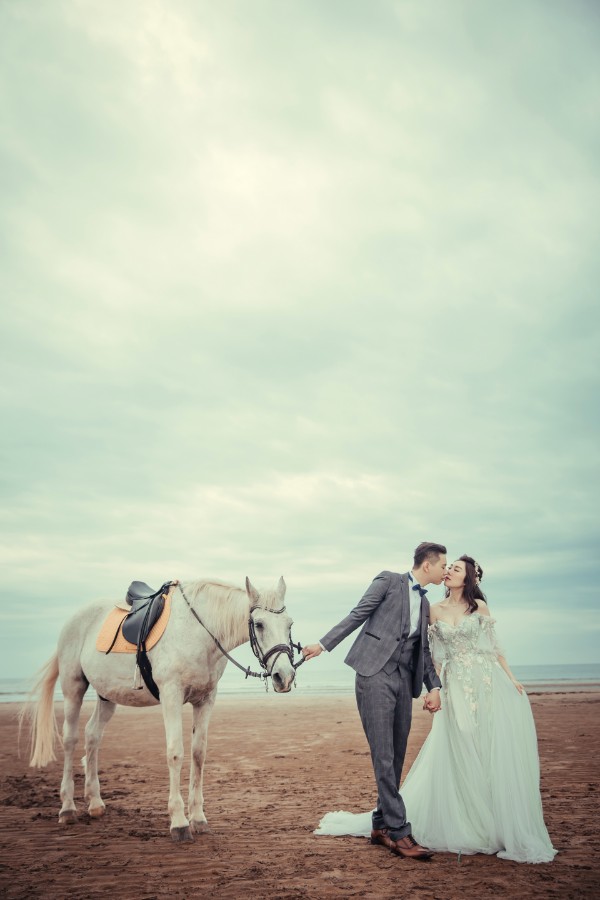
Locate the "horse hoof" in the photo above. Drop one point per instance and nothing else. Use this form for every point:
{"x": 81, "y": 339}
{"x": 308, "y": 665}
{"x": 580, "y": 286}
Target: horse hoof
{"x": 200, "y": 828}
{"x": 181, "y": 834}
{"x": 68, "y": 817}
{"x": 97, "y": 812}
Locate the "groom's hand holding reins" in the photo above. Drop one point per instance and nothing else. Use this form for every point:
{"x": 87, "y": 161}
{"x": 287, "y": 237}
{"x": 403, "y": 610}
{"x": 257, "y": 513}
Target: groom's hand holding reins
{"x": 311, "y": 650}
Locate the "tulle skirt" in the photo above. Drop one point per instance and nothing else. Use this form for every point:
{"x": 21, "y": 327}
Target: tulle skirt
{"x": 474, "y": 787}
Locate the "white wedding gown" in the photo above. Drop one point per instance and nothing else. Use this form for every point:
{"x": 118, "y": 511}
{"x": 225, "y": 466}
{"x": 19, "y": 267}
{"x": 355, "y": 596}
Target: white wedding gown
{"x": 474, "y": 787}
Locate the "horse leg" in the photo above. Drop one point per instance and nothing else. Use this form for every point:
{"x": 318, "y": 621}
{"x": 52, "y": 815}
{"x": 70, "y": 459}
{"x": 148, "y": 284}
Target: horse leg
{"x": 73, "y": 692}
{"x": 93, "y": 735}
{"x": 172, "y": 702}
{"x": 201, "y": 718}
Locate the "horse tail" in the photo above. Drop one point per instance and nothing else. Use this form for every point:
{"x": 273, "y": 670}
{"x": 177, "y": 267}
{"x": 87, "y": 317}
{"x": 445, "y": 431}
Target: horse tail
{"x": 39, "y": 714}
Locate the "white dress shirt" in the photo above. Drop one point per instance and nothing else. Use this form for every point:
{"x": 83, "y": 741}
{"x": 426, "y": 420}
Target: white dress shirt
{"x": 415, "y": 604}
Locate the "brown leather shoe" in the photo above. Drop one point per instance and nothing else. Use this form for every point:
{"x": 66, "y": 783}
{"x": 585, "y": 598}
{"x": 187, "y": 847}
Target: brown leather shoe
{"x": 408, "y": 848}
{"x": 381, "y": 836}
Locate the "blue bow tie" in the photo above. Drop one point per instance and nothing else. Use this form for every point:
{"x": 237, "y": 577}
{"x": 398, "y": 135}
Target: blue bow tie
{"x": 417, "y": 587}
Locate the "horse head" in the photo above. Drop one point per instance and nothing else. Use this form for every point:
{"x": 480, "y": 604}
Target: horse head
{"x": 270, "y": 634}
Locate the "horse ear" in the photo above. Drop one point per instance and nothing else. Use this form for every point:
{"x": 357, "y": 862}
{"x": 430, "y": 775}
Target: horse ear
{"x": 251, "y": 590}
{"x": 281, "y": 588}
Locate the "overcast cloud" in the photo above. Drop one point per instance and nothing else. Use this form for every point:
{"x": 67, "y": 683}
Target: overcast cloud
{"x": 289, "y": 287}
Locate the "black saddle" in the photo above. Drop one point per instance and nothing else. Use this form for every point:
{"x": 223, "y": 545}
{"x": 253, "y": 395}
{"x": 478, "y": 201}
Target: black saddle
{"x": 139, "y": 590}
{"x": 146, "y": 609}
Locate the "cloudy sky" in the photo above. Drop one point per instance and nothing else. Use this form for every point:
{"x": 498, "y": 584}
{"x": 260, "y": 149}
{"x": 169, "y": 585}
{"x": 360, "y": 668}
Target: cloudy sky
{"x": 289, "y": 286}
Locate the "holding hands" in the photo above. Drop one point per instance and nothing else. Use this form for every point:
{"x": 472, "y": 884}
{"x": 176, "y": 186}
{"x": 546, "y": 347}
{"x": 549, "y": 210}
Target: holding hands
{"x": 432, "y": 701}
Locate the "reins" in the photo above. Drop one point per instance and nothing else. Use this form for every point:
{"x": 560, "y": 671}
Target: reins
{"x": 263, "y": 658}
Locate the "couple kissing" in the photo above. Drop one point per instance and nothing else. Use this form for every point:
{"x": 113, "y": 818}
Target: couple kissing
{"x": 474, "y": 787}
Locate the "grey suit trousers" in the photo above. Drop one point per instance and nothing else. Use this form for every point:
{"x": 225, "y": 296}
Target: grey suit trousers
{"x": 385, "y": 707}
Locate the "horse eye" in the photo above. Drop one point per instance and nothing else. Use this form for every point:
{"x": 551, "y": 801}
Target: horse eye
{"x": 258, "y": 625}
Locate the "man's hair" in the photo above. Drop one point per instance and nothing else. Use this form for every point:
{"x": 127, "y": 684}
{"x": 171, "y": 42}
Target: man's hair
{"x": 427, "y": 550}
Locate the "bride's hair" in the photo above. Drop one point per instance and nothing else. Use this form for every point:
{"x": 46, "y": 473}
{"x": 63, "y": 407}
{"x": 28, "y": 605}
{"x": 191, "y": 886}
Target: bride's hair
{"x": 471, "y": 590}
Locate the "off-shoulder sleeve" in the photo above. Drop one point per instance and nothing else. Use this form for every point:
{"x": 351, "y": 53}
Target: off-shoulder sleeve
{"x": 488, "y": 639}
{"x": 438, "y": 653}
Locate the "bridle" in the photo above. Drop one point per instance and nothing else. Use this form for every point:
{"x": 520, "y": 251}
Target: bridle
{"x": 262, "y": 657}
{"x": 277, "y": 649}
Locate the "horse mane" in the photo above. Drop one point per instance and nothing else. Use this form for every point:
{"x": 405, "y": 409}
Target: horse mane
{"x": 224, "y": 608}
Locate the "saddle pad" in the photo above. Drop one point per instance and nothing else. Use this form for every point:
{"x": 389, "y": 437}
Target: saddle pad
{"x": 113, "y": 622}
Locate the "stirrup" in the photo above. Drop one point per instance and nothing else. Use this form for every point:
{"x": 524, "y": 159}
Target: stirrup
{"x": 137, "y": 679}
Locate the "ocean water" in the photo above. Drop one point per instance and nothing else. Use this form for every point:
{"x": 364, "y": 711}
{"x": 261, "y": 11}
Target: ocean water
{"x": 540, "y": 678}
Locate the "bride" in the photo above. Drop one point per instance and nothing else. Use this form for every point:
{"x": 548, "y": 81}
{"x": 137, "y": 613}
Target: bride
{"x": 474, "y": 787}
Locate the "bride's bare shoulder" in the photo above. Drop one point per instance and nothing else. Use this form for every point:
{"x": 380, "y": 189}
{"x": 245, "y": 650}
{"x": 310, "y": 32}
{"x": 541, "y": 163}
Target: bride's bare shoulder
{"x": 482, "y": 608}
{"x": 434, "y": 612}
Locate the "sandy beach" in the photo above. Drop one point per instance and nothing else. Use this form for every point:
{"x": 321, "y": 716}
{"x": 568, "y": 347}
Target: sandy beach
{"x": 275, "y": 765}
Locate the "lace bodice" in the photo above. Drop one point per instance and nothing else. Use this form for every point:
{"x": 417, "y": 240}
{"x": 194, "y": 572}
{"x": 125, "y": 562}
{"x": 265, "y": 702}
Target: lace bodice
{"x": 475, "y": 635}
{"x": 465, "y": 654}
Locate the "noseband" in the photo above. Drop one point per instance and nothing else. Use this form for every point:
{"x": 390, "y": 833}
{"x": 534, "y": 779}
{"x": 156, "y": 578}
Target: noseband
{"x": 263, "y": 658}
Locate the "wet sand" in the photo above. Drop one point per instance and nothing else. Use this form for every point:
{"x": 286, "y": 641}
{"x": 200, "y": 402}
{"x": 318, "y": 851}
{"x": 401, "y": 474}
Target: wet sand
{"x": 275, "y": 765}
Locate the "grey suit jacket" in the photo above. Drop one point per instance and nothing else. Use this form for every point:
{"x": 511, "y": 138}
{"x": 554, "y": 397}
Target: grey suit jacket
{"x": 383, "y": 612}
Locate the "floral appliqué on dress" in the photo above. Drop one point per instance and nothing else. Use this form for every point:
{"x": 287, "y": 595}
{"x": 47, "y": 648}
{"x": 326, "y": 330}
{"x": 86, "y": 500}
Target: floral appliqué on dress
{"x": 469, "y": 649}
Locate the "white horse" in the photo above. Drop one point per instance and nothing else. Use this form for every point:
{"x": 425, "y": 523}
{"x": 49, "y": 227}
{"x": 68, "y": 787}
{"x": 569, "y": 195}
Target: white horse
{"x": 186, "y": 667}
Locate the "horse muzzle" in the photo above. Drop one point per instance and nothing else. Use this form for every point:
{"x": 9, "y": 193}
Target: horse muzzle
{"x": 283, "y": 678}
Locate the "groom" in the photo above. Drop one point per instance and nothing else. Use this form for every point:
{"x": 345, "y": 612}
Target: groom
{"x": 391, "y": 658}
